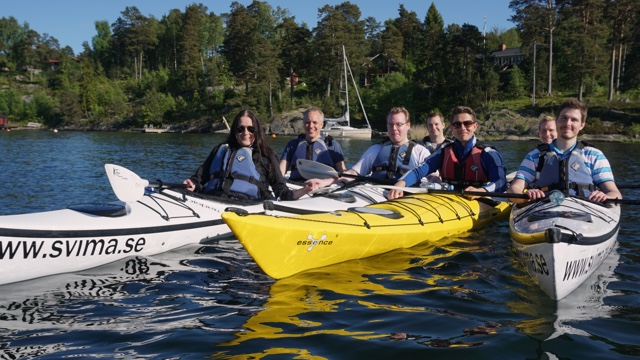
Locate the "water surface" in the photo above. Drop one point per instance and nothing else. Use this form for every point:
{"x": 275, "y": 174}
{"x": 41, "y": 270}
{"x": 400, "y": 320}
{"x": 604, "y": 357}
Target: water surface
{"x": 457, "y": 297}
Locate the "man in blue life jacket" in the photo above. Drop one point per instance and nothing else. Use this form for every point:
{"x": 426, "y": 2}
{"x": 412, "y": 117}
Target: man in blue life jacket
{"x": 465, "y": 163}
{"x": 547, "y": 129}
{"x": 311, "y": 146}
{"x": 389, "y": 159}
{"x": 566, "y": 164}
{"x": 436, "y": 138}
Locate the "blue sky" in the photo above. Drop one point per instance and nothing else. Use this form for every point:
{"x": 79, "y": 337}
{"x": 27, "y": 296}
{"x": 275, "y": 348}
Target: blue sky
{"x": 72, "y": 21}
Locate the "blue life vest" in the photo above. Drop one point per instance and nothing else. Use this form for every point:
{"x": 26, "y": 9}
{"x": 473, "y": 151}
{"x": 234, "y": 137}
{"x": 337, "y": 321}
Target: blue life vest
{"x": 432, "y": 147}
{"x": 316, "y": 151}
{"x": 392, "y": 161}
{"x": 234, "y": 173}
{"x": 571, "y": 175}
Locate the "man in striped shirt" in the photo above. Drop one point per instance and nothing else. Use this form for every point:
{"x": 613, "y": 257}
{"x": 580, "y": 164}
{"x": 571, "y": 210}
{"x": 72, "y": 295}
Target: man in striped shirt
{"x": 569, "y": 165}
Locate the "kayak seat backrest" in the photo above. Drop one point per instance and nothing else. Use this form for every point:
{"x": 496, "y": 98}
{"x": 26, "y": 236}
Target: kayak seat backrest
{"x": 106, "y": 210}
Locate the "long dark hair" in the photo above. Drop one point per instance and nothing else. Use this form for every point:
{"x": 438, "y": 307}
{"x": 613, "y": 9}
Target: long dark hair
{"x": 260, "y": 143}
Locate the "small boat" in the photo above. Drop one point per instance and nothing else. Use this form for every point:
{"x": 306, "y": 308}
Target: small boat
{"x": 148, "y": 219}
{"x": 283, "y": 246}
{"x": 341, "y": 127}
{"x": 562, "y": 240}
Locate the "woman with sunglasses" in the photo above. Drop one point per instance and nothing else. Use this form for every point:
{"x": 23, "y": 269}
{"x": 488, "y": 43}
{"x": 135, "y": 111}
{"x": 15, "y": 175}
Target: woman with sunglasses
{"x": 244, "y": 166}
{"x": 465, "y": 163}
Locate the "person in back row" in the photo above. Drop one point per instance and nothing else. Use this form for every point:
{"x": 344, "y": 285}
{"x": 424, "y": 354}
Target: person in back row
{"x": 435, "y": 127}
{"x": 465, "y": 163}
{"x": 244, "y": 166}
{"x": 311, "y": 146}
{"x": 566, "y": 164}
{"x": 547, "y": 129}
{"x": 389, "y": 159}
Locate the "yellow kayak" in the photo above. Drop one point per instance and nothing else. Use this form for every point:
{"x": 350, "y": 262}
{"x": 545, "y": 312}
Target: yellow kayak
{"x": 283, "y": 246}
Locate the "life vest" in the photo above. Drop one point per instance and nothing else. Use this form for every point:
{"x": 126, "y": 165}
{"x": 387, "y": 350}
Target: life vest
{"x": 392, "y": 161}
{"x": 316, "y": 151}
{"x": 234, "y": 174}
{"x": 462, "y": 174}
{"x": 432, "y": 147}
{"x": 572, "y": 176}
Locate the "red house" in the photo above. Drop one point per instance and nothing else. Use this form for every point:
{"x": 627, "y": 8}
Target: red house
{"x": 4, "y": 121}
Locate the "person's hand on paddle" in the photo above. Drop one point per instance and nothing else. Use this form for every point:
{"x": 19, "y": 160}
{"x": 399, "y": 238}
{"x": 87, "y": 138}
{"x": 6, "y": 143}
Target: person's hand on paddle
{"x": 319, "y": 183}
{"x": 190, "y": 185}
{"x": 474, "y": 189}
{"x": 535, "y": 194}
{"x": 395, "y": 193}
{"x": 309, "y": 187}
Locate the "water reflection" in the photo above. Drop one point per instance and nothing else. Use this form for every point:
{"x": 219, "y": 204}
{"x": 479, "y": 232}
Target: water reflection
{"x": 548, "y": 319}
{"x": 342, "y": 300}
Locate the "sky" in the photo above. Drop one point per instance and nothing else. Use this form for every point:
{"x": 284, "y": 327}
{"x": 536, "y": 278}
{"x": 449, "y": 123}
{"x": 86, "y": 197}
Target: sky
{"x": 72, "y": 21}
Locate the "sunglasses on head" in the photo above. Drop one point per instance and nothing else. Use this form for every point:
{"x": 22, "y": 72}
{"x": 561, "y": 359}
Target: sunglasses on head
{"x": 240, "y": 129}
{"x": 466, "y": 123}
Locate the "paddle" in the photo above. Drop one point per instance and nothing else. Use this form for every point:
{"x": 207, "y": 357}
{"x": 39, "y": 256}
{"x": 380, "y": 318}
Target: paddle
{"x": 310, "y": 169}
{"x": 455, "y": 192}
{"x": 128, "y": 186}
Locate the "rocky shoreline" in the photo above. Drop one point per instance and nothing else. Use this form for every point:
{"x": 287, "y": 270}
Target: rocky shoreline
{"x": 495, "y": 125}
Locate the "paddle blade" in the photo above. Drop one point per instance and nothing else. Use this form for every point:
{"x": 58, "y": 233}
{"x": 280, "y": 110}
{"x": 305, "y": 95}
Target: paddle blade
{"x": 126, "y": 184}
{"x": 310, "y": 169}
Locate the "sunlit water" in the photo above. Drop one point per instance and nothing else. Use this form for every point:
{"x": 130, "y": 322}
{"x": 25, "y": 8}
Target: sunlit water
{"x": 460, "y": 297}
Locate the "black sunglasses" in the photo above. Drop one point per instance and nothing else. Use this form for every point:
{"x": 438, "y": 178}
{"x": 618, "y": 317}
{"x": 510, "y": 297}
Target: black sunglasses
{"x": 466, "y": 123}
{"x": 240, "y": 129}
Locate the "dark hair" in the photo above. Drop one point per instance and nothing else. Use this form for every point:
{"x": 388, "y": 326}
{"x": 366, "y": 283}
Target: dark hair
{"x": 260, "y": 143}
{"x": 434, "y": 114}
{"x": 573, "y": 103}
{"x": 462, "y": 110}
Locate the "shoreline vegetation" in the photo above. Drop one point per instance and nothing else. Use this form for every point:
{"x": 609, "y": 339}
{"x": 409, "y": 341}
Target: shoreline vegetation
{"x": 190, "y": 68}
{"x": 497, "y": 125}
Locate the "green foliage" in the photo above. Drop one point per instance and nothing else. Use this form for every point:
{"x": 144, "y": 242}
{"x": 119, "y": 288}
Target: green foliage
{"x": 193, "y": 63}
{"x": 515, "y": 88}
{"x": 387, "y": 92}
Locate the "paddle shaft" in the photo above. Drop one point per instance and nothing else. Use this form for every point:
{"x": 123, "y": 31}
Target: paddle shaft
{"x": 369, "y": 179}
{"x": 162, "y": 184}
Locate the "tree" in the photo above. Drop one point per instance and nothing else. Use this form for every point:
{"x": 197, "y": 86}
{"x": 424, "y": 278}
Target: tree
{"x": 583, "y": 34}
{"x": 191, "y": 46}
{"x": 295, "y": 51}
{"x": 430, "y": 69}
{"x": 100, "y": 42}
{"x": 411, "y": 31}
{"x": 339, "y": 25}
{"x": 537, "y": 20}
{"x": 135, "y": 33}
{"x": 620, "y": 14}
{"x": 392, "y": 49}
{"x": 515, "y": 87}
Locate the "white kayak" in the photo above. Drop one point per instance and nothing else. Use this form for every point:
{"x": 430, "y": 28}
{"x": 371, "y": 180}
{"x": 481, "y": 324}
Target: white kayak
{"x": 146, "y": 223}
{"x": 562, "y": 245}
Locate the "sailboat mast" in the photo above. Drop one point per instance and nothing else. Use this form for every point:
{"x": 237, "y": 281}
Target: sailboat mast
{"x": 346, "y": 85}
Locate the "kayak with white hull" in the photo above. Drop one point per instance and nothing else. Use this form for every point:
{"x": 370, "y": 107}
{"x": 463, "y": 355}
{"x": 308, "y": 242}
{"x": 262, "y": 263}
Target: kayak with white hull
{"x": 562, "y": 242}
{"x": 147, "y": 222}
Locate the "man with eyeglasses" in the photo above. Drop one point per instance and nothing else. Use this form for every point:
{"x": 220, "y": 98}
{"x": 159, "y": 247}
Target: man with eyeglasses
{"x": 465, "y": 163}
{"x": 311, "y": 146}
{"x": 389, "y": 159}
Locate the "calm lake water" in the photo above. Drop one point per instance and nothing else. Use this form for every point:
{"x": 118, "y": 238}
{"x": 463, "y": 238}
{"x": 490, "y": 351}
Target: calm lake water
{"x": 461, "y": 297}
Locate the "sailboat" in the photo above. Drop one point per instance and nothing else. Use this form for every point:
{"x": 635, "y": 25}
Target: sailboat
{"x": 341, "y": 127}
